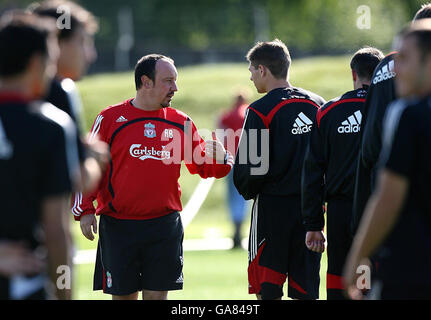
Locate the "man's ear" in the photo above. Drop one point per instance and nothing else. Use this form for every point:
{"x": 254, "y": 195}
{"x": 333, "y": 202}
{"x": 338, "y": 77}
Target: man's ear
{"x": 147, "y": 83}
{"x": 36, "y": 69}
{"x": 262, "y": 70}
{"x": 354, "y": 75}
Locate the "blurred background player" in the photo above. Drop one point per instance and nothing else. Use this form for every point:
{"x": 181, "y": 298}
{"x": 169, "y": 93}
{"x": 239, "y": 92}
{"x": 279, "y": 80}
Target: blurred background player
{"x": 396, "y": 225}
{"x": 77, "y": 52}
{"x": 381, "y": 93}
{"x": 232, "y": 121}
{"x": 328, "y": 174}
{"x": 276, "y": 127}
{"x": 139, "y": 201}
{"x": 38, "y": 163}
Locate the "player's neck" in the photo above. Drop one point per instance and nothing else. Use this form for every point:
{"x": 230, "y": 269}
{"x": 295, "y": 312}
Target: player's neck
{"x": 277, "y": 83}
{"x": 360, "y": 84}
{"x": 141, "y": 103}
{"x": 17, "y": 85}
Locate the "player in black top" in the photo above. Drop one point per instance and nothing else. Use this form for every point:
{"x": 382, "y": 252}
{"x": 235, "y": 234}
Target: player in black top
{"x": 380, "y": 94}
{"x": 268, "y": 169}
{"x": 38, "y": 160}
{"x": 77, "y": 52}
{"x": 397, "y": 220}
{"x": 329, "y": 169}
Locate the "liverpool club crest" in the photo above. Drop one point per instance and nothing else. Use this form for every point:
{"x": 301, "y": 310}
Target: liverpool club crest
{"x": 150, "y": 130}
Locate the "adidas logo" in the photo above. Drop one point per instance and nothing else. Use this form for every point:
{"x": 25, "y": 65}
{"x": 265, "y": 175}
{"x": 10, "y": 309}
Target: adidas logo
{"x": 352, "y": 124}
{"x": 302, "y": 124}
{"x": 121, "y": 119}
{"x": 385, "y": 73}
{"x": 180, "y": 279}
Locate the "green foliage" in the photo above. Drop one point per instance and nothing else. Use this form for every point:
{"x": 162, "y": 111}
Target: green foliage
{"x": 307, "y": 25}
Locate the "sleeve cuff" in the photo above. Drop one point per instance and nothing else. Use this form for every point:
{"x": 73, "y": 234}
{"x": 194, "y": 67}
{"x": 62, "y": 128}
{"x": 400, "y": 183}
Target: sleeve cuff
{"x": 314, "y": 227}
{"x": 77, "y": 217}
{"x": 229, "y": 159}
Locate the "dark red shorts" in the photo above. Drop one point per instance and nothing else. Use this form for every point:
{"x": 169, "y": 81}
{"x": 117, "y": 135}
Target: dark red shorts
{"x": 277, "y": 250}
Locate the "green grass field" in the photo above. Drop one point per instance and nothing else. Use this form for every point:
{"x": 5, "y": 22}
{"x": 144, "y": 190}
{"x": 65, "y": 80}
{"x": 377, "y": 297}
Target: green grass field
{"x": 204, "y": 92}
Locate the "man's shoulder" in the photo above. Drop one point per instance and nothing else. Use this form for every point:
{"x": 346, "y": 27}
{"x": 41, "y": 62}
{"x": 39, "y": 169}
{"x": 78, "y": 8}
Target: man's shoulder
{"x": 286, "y": 95}
{"x": 411, "y": 112}
{"x": 57, "y": 95}
{"x": 385, "y": 70}
{"x": 308, "y": 95}
{"x": 415, "y": 110}
{"x": 50, "y": 119}
{"x": 48, "y": 112}
{"x": 353, "y": 96}
{"x": 347, "y": 103}
{"x": 68, "y": 85}
{"x": 113, "y": 110}
{"x": 176, "y": 115}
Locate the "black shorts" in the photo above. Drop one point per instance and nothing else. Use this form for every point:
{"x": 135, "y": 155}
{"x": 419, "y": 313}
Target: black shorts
{"x": 137, "y": 255}
{"x": 339, "y": 215}
{"x": 277, "y": 250}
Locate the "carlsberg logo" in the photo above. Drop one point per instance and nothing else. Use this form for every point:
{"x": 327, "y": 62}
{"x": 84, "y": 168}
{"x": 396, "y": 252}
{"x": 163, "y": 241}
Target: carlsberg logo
{"x": 148, "y": 153}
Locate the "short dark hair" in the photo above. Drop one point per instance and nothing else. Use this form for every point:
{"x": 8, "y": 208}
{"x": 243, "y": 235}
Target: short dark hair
{"x": 274, "y": 55}
{"x": 424, "y": 12}
{"x": 22, "y": 35}
{"x": 365, "y": 60}
{"x": 146, "y": 66}
{"x": 79, "y": 16}
{"x": 421, "y": 30}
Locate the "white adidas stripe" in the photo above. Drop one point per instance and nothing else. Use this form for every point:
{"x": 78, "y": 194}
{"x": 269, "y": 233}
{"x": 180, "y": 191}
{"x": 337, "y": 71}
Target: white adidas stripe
{"x": 96, "y": 127}
{"x": 77, "y": 210}
{"x": 358, "y": 116}
{"x": 304, "y": 118}
{"x": 352, "y": 120}
{"x": 253, "y": 233}
{"x": 302, "y": 124}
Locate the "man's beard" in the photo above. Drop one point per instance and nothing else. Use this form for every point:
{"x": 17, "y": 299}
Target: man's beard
{"x": 167, "y": 104}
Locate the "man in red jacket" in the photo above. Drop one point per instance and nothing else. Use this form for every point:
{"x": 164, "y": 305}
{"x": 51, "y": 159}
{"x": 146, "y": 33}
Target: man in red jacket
{"x": 140, "y": 244}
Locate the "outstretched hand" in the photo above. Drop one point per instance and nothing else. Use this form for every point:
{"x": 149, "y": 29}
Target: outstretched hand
{"x": 215, "y": 149}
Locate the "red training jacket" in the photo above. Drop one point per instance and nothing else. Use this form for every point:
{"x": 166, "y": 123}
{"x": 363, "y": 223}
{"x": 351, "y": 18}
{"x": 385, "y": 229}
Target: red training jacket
{"x": 146, "y": 148}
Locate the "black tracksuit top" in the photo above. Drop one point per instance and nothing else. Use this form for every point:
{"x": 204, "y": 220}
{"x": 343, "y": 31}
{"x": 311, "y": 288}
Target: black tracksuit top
{"x": 331, "y": 157}
{"x": 285, "y": 116}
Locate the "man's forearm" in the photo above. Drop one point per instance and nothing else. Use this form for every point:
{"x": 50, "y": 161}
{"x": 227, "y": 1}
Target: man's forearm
{"x": 58, "y": 242}
{"x": 91, "y": 174}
